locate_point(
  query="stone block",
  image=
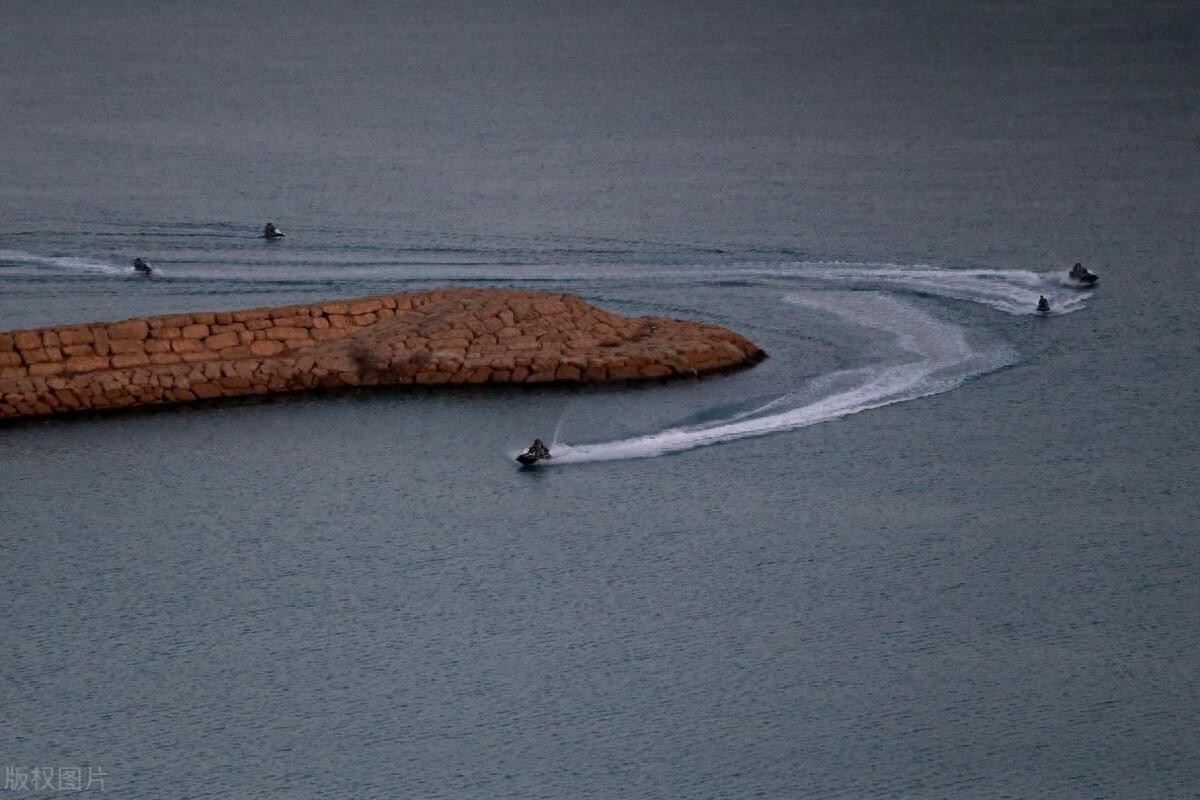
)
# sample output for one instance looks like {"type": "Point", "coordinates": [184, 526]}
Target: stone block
{"type": "Point", "coordinates": [364, 307]}
{"type": "Point", "coordinates": [222, 341]}
{"type": "Point", "coordinates": [231, 326]}
{"type": "Point", "coordinates": [35, 356]}
{"type": "Point", "coordinates": [27, 340]}
{"type": "Point", "coordinates": [266, 348]}
{"type": "Point", "coordinates": [281, 334]}
{"type": "Point", "coordinates": [568, 373]}
{"type": "Point", "coordinates": [126, 346]}
{"type": "Point", "coordinates": [85, 364]}
{"type": "Point", "coordinates": [130, 360]}
{"type": "Point", "coordinates": [196, 331]}
{"type": "Point", "coordinates": [131, 329]}
{"type": "Point", "coordinates": [48, 368]}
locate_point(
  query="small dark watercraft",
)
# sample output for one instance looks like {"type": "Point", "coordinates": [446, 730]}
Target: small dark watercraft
{"type": "Point", "coordinates": [142, 268]}
{"type": "Point", "coordinates": [536, 452]}
{"type": "Point", "coordinates": [1043, 305]}
{"type": "Point", "coordinates": [1082, 275]}
{"type": "Point", "coordinates": [271, 232]}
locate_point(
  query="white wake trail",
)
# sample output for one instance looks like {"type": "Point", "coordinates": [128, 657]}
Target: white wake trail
{"type": "Point", "coordinates": [68, 263]}
{"type": "Point", "coordinates": [928, 356]}
{"type": "Point", "coordinates": [1012, 291]}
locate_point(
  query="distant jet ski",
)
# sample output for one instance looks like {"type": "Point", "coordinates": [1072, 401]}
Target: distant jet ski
{"type": "Point", "coordinates": [1082, 274]}
{"type": "Point", "coordinates": [142, 268]}
{"type": "Point", "coordinates": [271, 232]}
{"type": "Point", "coordinates": [536, 452]}
{"type": "Point", "coordinates": [1043, 305]}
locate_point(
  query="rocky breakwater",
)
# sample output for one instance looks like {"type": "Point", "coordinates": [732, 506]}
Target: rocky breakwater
{"type": "Point", "coordinates": [446, 336]}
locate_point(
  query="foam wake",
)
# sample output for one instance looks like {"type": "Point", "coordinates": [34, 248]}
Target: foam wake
{"type": "Point", "coordinates": [919, 356]}
{"type": "Point", "coordinates": [1013, 291]}
{"type": "Point", "coordinates": [20, 258]}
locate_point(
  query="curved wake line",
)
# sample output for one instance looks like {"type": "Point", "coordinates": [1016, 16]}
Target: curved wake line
{"type": "Point", "coordinates": [1009, 290]}
{"type": "Point", "coordinates": [1013, 291]}
{"type": "Point", "coordinates": [928, 356]}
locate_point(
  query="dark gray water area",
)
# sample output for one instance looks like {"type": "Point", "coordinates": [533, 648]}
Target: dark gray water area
{"type": "Point", "coordinates": [936, 545]}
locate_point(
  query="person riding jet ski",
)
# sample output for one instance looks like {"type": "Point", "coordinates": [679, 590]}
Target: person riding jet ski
{"type": "Point", "coordinates": [1081, 273]}
{"type": "Point", "coordinates": [536, 452]}
{"type": "Point", "coordinates": [1043, 305]}
{"type": "Point", "coordinates": [140, 266]}
{"type": "Point", "coordinates": [271, 232]}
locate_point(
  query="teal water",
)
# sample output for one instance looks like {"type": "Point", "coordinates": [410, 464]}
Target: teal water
{"type": "Point", "coordinates": [935, 546]}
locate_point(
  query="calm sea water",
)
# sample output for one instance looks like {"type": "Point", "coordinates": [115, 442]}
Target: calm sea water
{"type": "Point", "coordinates": [935, 546]}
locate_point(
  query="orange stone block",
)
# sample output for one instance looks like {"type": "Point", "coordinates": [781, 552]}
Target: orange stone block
{"type": "Point", "coordinates": [125, 346]}
{"type": "Point", "coordinates": [195, 331]}
{"type": "Point", "coordinates": [266, 348]}
{"type": "Point", "coordinates": [280, 334]}
{"type": "Point", "coordinates": [568, 373]}
{"type": "Point", "coordinates": [130, 360]}
{"type": "Point", "coordinates": [50, 368]}
{"type": "Point", "coordinates": [222, 341]}
{"type": "Point", "coordinates": [132, 329]}
{"type": "Point", "coordinates": [27, 340]}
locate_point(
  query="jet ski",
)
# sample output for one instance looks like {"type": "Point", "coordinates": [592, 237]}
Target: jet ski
{"type": "Point", "coordinates": [1043, 305]}
{"type": "Point", "coordinates": [536, 452]}
{"type": "Point", "coordinates": [272, 232]}
{"type": "Point", "coordinates": [1082, 275]}
{"type": "Point", "coordinates": [142, 268]}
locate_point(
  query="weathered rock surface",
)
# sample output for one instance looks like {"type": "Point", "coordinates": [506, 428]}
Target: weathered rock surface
{"type": "Point", "coordinates": [446, 336]}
